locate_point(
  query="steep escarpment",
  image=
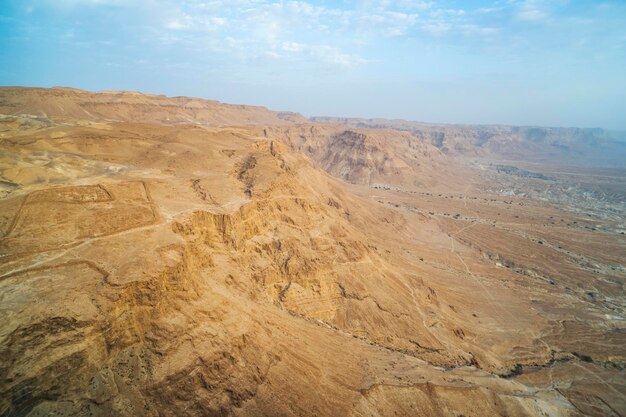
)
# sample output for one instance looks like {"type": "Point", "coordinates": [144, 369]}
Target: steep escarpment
{"type": "Point", "coordinates": [372, 157]}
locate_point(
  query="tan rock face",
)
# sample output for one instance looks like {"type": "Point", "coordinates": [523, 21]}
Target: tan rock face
{"type": "Point", "coordinates": [297, 270]}
{"type": "Point", "coordinates": [369, 156]}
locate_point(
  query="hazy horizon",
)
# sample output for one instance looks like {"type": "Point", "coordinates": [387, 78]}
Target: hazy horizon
{"type": "Point", "coordinates": [524, 63]}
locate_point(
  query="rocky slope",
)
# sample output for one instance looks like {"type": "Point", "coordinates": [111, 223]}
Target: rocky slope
{"type": "Point", "coordinates": [158, 269]}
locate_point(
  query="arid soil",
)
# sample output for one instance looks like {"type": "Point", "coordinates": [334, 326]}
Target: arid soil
{"type": "Point", "coordinates": [175, 256]}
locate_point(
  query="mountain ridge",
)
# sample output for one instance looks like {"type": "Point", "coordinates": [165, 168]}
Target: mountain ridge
{"type": "Point", "coordinates": [60, 102]}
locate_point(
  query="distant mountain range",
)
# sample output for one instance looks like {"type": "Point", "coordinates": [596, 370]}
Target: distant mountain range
{"type": "Point", "coordinates": [589, 146]}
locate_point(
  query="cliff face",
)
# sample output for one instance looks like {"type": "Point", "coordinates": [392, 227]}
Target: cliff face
{"type": "Point", "coordinates": [374, 157]}
{"type": "Point", "coordinates": [155, 269]}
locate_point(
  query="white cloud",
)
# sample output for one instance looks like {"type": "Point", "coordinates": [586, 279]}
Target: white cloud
{"type": "Point", "coordinates": [446, 12]}
{"type": "Point", "coordinates": [437, 28]}
{"type": "Point", "coordinates": [532, 10]}
{"type": "Point", "coordinates": [293, 46]}
{"type": "Point", "coordinates": [246, 30]}
{"type": "Point", "coordinates": [332, 55]}
{"type": "Point", "coordinates": [176, 24]}
{"type": "Point", "coordinates": [389, 23]}
{"type": "Point", "coordinates": [475, 30]}
{"type": "Point", "coordinates": [489, 10]}
{"type": "Point", "coordinates": [70, 4]}
{"type": "Point", "coordinates": [322, 53]}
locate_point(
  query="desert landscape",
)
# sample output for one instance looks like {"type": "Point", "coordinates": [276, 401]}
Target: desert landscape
{"type": "Point", "coordinates": [166, 256]}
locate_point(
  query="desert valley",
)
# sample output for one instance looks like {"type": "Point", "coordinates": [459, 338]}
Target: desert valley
{"type": "Point", "coordinates": [166, 256]}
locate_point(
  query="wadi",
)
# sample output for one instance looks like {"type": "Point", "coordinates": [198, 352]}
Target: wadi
{"type": "Point", "coordinates": [175, 256]}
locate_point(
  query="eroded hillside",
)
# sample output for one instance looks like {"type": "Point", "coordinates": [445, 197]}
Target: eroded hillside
{"type": "Point", "coordinates": [159, 268]}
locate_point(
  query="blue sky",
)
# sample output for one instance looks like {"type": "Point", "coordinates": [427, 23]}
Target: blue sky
{"type": "Point", "coordinates": [528, 62]}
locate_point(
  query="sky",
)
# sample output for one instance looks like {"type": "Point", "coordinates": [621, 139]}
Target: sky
{"type": "Point", "coordinates": [520, 62]}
